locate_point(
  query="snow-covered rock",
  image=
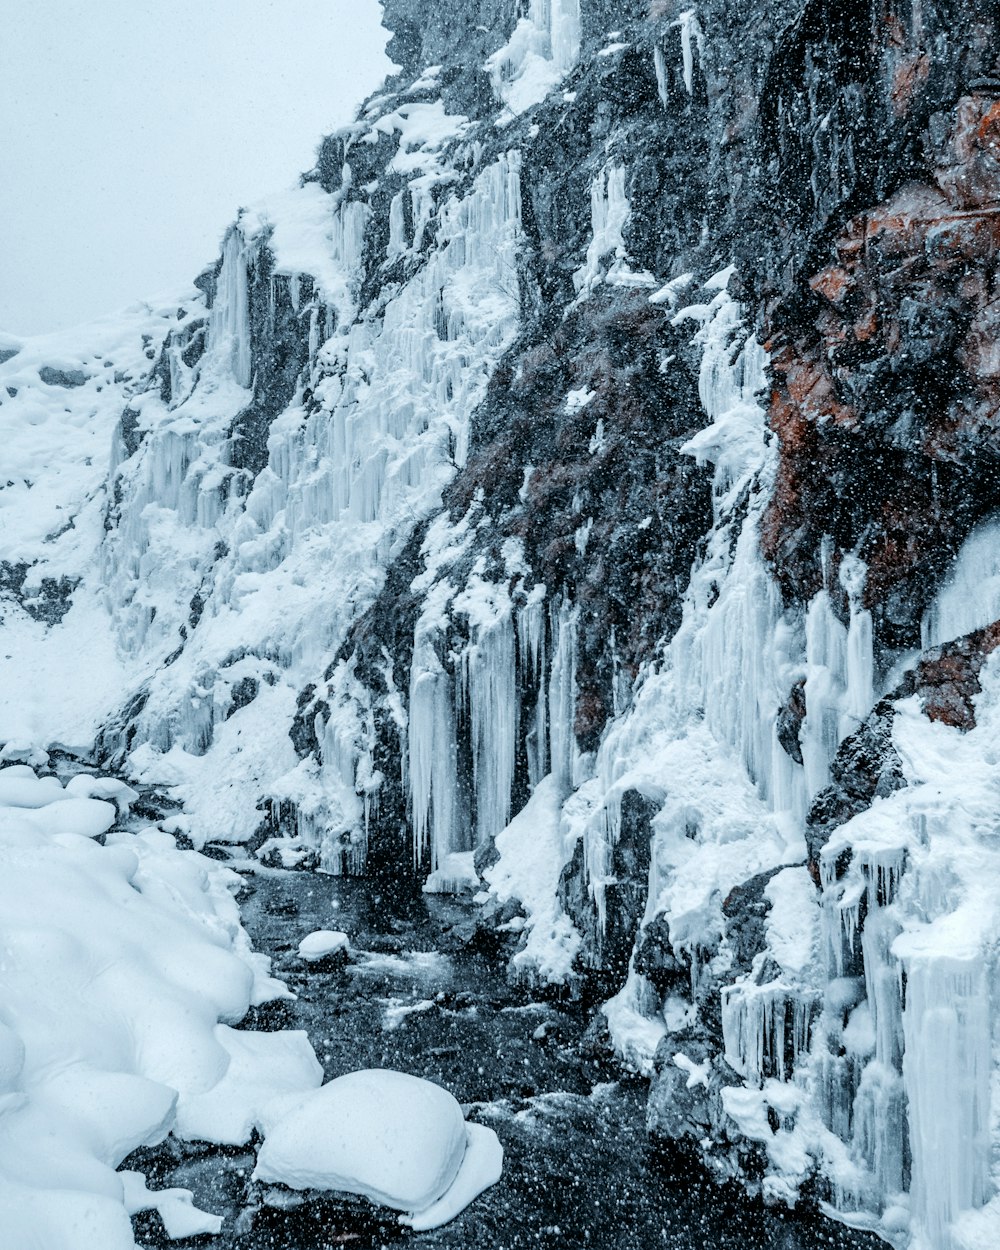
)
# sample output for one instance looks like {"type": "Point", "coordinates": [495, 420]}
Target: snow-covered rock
{"type": "Point", "coordinates": [322, 944]}
{"type": "Point", "coordinates": [398, 1140]}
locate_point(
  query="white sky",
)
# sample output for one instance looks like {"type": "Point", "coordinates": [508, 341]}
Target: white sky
{"type": "Point", "coordinates": [132, 130]}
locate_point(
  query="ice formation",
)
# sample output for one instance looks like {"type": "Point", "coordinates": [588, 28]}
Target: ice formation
{"type": "Point", "coordinates": [873, 1043]}
{"type": "Point", "coordinates": [969, 598]}
{"type": "Point", "coordinates": [217, 618]}
{"type": "Point", "coordinates": [544, 46]}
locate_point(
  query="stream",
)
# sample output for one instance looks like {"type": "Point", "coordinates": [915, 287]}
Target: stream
{"type": "Point", "coordinates": [578, 1171]}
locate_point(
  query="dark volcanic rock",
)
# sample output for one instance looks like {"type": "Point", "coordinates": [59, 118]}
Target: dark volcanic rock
{"type": "Point", "coordinates": [608, 938]}
{"type": "Point", "coordinates": [789, 723]}
{"type": "Point", "coordinates": [745, 909]}
{"type": "Point", "coordinates": [279, 336]}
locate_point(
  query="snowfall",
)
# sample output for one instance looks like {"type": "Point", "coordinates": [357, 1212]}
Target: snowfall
{"type": "Point", "coordinates": [124, 966]}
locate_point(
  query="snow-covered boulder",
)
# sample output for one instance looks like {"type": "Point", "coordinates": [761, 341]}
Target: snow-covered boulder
{"type": "Point", "coordinates": [395, 1139]}
{"type": "Point", "coordinates": [324, 944]}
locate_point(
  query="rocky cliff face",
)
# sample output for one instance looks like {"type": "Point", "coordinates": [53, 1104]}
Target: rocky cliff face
{"type": "Point", "coordinates": [581, 490]}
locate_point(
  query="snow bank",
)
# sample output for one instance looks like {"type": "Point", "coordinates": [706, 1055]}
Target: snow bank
{"type": "Point", "coordinates": [397, 1140]}
{"type": "Point", "coordinates": [121, 967]}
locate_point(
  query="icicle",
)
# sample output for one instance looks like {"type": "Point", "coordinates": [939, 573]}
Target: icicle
{"type": "Point", "coordinates": [754, 1028]}
{"type": "Point", "coordinates": [691, 34]}
{"type": "Point", "coordinates": [544, 46]}
{"type": "Point", "coordinates": [882, 987]}
{"type": "Point", "coordinates": [609, 214]}
{"type": "Point", "coordinates": [491, 680]}
{"type": "Point", "coordinates": [660, 66]}
{"type": "Point", "coordinates": [859, 659]}
{"type": "Point", "coordinates": [879, 1123]}
{"type": "Point", "coordinates": [432, 757]}
{"type": "Point", "coordinates": [531, 623]}
{"type": "Point", "coordinates": [969, 597]}
{"type": "Point", "coordinates": [564, 29]}
{"type": "Point", "coordinates": [397, 228]}
{"type": "Point", "coordinates": [826, 665]}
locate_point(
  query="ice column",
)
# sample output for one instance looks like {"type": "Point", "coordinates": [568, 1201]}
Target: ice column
{"type": "Point", "coordinates": [432, 764]}
{"type": "Point", "coordinates": [490, 679]}
{"type": "Point", "coordinates": [531, 621]}
{"type": "Point", "coordinates": [734, 654]}
{"type": "Point", "coordinates": [563, 21]}
{"type": "Point", "coordinates": [609, 213]}
{"type": "Point", "coordinates": [562, 696]}
{"type": "Point", "coordinates": [660, 66]}
{"type": "Point", "coordinates": [840, 678]}
{"type": "Point", "coordinates": [826, 665]}
{"type": "Point", "coordinates": [691, 35]}
{"type": "Point", "coordinates": [969, 598]}
{"type": "Point", "coordinates": [946, 1069]}
{"type": "Point", "coordinates": [397, 228]}
{"type": "Point", "coordinates": [543, 47]}
{"type": "Point", "coordinates": [229, 325]}
{"type": "Point", "coordinates": [754, 1028]}
{"type": "Point", "coordinates": [860, 694]}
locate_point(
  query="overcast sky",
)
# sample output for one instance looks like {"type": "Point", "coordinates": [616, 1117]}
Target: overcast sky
{"type": "Point", "coordinates": [131, 131]}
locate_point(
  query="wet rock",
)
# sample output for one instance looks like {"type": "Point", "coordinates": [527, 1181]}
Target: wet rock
{"type": "Point", "coordinates": [865, 767]}
{"type": "Point", "coordinates": [745, 910]}
{"type": "Point", "coordinates": [269, 1017]}
{"type": "Point", "coordinates": [155, 805]}
{"type": "Point", "coordinates": [947, 678]}
{"type": "Point", "coordinates": [885, 377]}
{"type": "Point", "coordinates": [656, 961]}
{"type": "Point", "coordinates": [684, 1097]}
{"type": "Point", "coordinates": [48, 601]}
{"type": "Point", "coordinates": [242, 694]}
{"type": "Point", "coordinates": [789, 722]}
{"type": "Point", "coordinates": [607, 947]}
{"type": "Point", "coordinates": [486, 855]}
{"type": "Point", "coordinates": [279, 348]}
{"type": "Point", "coordinates": [280, 905]}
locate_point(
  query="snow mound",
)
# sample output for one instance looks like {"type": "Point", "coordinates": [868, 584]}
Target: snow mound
{"type": "Point", "coordinates": [395, 1139]}
{"type": "Point", "coordinates": [119, 968]}
{"type": "Point", "coordinates": [323, 943]}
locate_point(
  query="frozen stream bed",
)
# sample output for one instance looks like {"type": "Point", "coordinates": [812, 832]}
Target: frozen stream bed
{"type": "Point", "coordinates": [578, 1171]}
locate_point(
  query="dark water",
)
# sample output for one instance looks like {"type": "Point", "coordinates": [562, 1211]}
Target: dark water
{"type": "Point", "coordinates": [578, 1171]}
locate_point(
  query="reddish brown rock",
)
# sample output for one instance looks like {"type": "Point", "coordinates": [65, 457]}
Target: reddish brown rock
{"type": "Point", "coordinates": [886, 402]}
{"type": "Point", "coordinates": [948, 678]}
